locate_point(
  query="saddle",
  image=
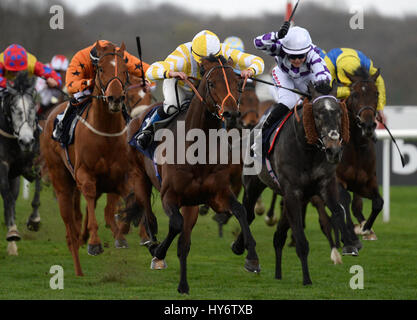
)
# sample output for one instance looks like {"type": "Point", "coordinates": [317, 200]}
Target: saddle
{"type": "Point", "coordinates": [70, 122]}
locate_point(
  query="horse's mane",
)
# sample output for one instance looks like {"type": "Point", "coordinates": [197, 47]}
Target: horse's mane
{"type": "Point", "coordinates": [362, 72]}
{"type": "Point", "coordinates": [213, 58]}
{"type": "Point", "coordinates": [22, 82]}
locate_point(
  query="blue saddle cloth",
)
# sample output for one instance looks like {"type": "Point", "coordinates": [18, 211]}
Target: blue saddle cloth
{"type": "Point", "coordinates": [150, 150]}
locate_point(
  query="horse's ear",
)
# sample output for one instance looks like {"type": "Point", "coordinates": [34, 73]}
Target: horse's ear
{"type": "Point", "coordinates": [230, 61]}
{"type": "Point", "coordinates": [10, 88]}
{"type": "Point", "coordinates": [350, 76]}
{"type": "Point", "coordinates": [333, 92]}
{"type": "Point", "coordinates": [122, 47]}
{"type": "Point", "coordinates": [376, 74]}
{"type": "Point", "coordinates": [98, 46]}
{"type": "Point", "coordinates": [312, 90]}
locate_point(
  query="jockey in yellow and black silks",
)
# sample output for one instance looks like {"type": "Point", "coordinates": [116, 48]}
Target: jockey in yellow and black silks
{"type": "Point", "coordinates": [339, 60]}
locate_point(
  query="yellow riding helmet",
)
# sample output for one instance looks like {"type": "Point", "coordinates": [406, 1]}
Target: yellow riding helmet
{"type": "Point", "coordinates": [205, 43]}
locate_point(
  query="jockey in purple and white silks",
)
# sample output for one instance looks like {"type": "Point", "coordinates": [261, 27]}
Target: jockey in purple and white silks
{"type": "Point", "coordinates": [298, 63]}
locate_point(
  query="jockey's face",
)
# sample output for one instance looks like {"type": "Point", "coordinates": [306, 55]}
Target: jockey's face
{"type": "Point", "coordinates": [297, 62]}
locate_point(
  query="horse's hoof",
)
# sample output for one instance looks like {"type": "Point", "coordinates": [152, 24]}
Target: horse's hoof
{"type": "Point", "coordinates": [94, 249]}
{"type": "Point", "coordinates": [183, 289]}
{"type": "Point", "coordinates": [307, 282]}
{"type": "Point", "coordinates": [357, 244]}
{"type": "Point", "coordinates": [144, 242]}
{"type": "Point", "coordinates": [121, 244]}
{"type": "Point", "coordinates": [335, 256]}
{"type": "Point", "coordinates": [13, 235]}
{"type": "Point", "coordinates": [237, 249]}
{"type": "Point", "coordinates": [259, 209]}
{"type": "Point", "coordinates": [203, 210]}
{"type": "Point", "coordinates": [371, 236]}
{"type": "Point", "coordinates": [12, 248]}
{"type": "Point", "coordinates": [350, 251]}
{"type": "Point", "coordinates": [33, 225]}
{"type": "Point", "coordinates": [270, 221]}
{"type": "Point", "coordinates": [157, 264]}
{"type": "Point", "coordinates": [252, 266]}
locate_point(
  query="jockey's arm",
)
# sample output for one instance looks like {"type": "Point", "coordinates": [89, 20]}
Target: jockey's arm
{"type": "Point", "coordinates": [77, 79]}
{"type": "Point", "coordinates": [318, 67]}
{"type": "Point", "coordinates": [249, 64]}
{"type": "Point", "coordinates": [52, 78]}
{"type": "Point", "coordinates": [175, 65]}
{"type": "Point", "coordinates": [343, 90]}
{"type": "Point", "coordinates": [268, 42]}
{"type": "Point", "coordinates": [2, 78]}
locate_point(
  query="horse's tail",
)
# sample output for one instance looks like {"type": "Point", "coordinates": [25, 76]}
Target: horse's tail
{"type": "Point", "coordinates": [133, 211]}
{"type": "Point", "coordinates": [137, 111]}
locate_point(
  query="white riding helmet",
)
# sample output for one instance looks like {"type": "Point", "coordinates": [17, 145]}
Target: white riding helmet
{"type": "Point", "coordinates": [297, 41]}
{"type": "Point", "coordinates": [205, 43]}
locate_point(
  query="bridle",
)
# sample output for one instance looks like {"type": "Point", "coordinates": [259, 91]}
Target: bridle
{"type": "Point", "coordinates": [357, 115]}
{"type": "Point", "coordinates": [103, 88]}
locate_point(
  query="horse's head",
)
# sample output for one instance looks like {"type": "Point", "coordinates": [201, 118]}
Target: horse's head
{"type": "Point", "coordinates": [220, 88]}
{"type": "Point", "coordinates": [363, 100]}
{"type": "Point", "coordinates": [330, 120]}
{"type": "Point", "coordinates": [111, 74]}
{"type": "Point", "coordinates": [249, 107]}
{"type": "Point", "coordinates": [21, 110]}
{"type": "Point", "coordinates": [136, 95]}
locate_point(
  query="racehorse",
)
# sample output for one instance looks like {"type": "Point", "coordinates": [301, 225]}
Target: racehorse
{"type": "Point", "coordinates": [304, 163]}
{"type": "Point", "coordinates": [96, 161]}
{"type": "Point", "coordinates": [137, 97]}
{"type": "Point", "coordinates": [188, 185]}
{"type": "Point", "coordinates": [18, 138]}
{"type": "Point", "coordinates": [357, 170]}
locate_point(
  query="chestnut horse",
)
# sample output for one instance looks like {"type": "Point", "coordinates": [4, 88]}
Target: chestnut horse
{"type": "Point", "coordinates": [188, 185]}
{"type": "Point", "coordinates": [96, 164]}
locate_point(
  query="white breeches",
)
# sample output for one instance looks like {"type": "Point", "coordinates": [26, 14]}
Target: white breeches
{"type": "Point", "coordinates": [284, 96]}
{"type": "Point", "coordinates": [170, 98]}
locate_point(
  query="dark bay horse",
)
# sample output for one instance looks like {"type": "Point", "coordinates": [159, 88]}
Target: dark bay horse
{"type": "Point", "coordinates": [97, 157]}
{"type": "Point", "coordinates": [186, 185]}
{"type": "Point", "coordinates": [356, 172]}
{"type": "Point", "coordinates": [304, 161]}
{"type": "Point", "coordinates": [18, 139]}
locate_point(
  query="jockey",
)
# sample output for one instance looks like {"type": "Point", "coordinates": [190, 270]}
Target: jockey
{"type": "Point", "coordinates": [339, 60]}
{"type": "Point", "coordinates": [185, 61]}
{"type": "Point", "coordinates": [298, 63]}
{"type": "Point", "coordinates": [80, 78]}
{"type": "Point", "coordinates": [15, 58]}
{"type": "Point", "coordinates": [49, 96]}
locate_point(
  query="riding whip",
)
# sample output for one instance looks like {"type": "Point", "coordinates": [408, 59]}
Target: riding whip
{"type": "Point", "coordinates": [140, 58]}
{"type": "Point", "coordinates": [395, 142]}
{"type": "Point", "coordinates": [278, 86]}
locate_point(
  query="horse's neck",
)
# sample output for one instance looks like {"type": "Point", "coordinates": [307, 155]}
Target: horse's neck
{"type": "Point", "coordinates": [102, 120]}
{"type": "Point", "coordinates": [198, 118]}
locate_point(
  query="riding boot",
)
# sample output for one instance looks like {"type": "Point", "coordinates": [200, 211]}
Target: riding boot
{"type": "Point", "coordinates": [59, 128]}
{"type": "Point", "coordinates": [278, 111]}
{"type": "Point", "coordinates": [145, 137]}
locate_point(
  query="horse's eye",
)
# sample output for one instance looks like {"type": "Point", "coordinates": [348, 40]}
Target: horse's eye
{"type": "Point", "coordinates": [100, 69]}
{"type": "Point", "coordinates": [210, 84]}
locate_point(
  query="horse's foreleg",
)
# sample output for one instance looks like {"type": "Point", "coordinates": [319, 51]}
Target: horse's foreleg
{"type": "Point", "coordinates": [87, 185]}
{"type": "Point", "coordinates": [9, 190]}
{"type": "Point", "coordinates": [293, 210]}
{"type": "Point", "coordinates": [377, 206]}
{"type": "Point", "coordinates": [326, 228]}
{"type": "Point", "coordinates": [176, 222]}
{"type": "Point", "coordinates": [190, 215]}
{"type": "Point", "coordinates": [34, 220]}
{"type": "Point", "coordinates": [357, 207]}
{"type": "Point", "coordinates": [109, 217]}
{"type": "Point", "coordinates": [280, 236]}
{"type": "Point", "coordinates": [244, 218]}
{"type": "Point", "coordinates": [331, 198]}
{"type": "Point", "coordinates": [270, 218]}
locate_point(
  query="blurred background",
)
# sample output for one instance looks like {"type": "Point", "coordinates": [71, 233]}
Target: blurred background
{"type": "Point", "coordinates": [389, 35]}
